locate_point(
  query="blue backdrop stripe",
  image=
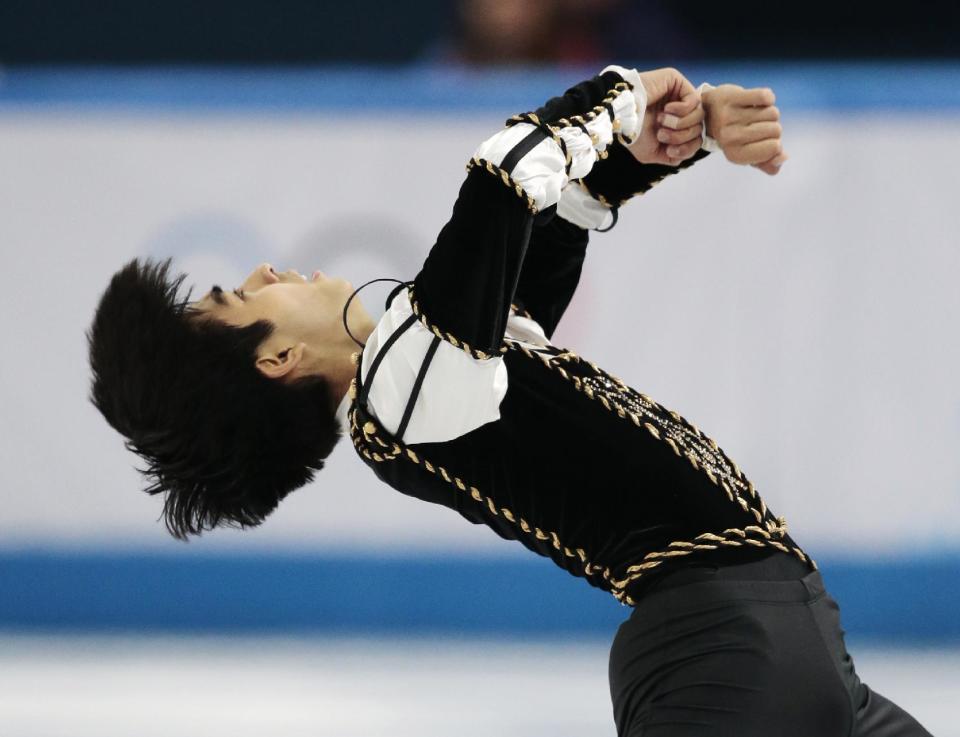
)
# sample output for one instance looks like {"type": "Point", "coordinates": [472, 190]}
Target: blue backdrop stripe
{"type": "Point", "coordinates": [915, 600]}
{"type": "Point", "coordinates": [839, 87]}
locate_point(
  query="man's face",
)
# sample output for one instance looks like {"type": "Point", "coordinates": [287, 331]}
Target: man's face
{"type": "Point", "coordinates": [302, 310]}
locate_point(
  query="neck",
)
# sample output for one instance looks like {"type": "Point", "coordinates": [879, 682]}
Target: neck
{"type": "Point", "coordinates": [345, 369]}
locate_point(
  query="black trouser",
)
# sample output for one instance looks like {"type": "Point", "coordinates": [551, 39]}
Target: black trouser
{"type": "Point", "coordinates": [743, 658]}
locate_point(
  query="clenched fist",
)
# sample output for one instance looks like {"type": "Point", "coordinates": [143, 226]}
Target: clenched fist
{"type": "Point", "coordinates": [668, 92]}
{"type": "Point", "coordinates": [746, 124]}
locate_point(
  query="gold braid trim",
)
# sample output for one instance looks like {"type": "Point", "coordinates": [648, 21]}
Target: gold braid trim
{"type": "Point", "coordinates": [733, 537]}
{"type": "Point", "coordinates": [760, 515]}
{"type": "Point", "coordinates": [504, 177]}
{"type": "Point", "coordinates": [580, 121]}
{"type": "Point", "coordinates": [609, 96]}
{"type": "Point", "coordinates": [449, 337]}
{"type": "Point", "coordinates": [604, 201]}
{"type": "Point", "coordinates": [368, 435]}
{"type": "Point", "coordinates": [612, 94]}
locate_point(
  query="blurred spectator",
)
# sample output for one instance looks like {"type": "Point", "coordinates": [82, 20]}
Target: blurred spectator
{"type": "Point", "coordinates": [582, 32]}
{"type": "Point", "coordinates": [576, 32]}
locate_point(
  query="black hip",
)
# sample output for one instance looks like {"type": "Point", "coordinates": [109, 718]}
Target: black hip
{"type": "Point", "coordinates": [728, 654]}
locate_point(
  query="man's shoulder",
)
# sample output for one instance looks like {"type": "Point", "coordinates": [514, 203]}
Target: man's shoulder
{"type": "Point", "coordinates": [455, 392]}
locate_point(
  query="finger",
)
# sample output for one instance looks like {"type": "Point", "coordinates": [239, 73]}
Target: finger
{"type": "Point", "coordinates": [778, 161]}
{"type": "Point", "coordinates": [665, 135]}
{"type": "Point", "coordinates": [758, 96]}
{"type": "Point", "coordinates": [673, 121]}
{"type": "Point", "coordinates": [767, 169]}
{"type": "Point", "coordinates": [683, 151]}
{"type": "Point", "coordinates": [758, 152]}
{"type": "Point", "coordinates": [748, 115]}
{"type": "Point", "coordinates": [772, 167]}
{"type": "Point", "coordinates": [685, 105]}
{"type": "Point", "coordinates": [770, 113]}
{"type": "Point", "coordinates": [743, 115]}
{"type": "Point", "coordinates": [756, 132]}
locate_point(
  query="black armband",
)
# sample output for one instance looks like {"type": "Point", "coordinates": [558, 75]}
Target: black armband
{"type": "Point", "coordinates": [620, 176]}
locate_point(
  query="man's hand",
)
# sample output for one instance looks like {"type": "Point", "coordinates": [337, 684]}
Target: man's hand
{"type": "Point", "coordinates": [746, 124]}
{"type": "Point", "coordinates": [676, 137]}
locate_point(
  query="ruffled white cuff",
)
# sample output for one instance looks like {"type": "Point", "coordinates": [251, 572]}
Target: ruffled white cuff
{"type": "Point", "coordinates": [707, 143]}
{"type": "Point", "coordinates": [580, 150]}
{"type": "Point", "coordinates": [631, 117]}
{"type": "Point", "coordinates": [543, 172]}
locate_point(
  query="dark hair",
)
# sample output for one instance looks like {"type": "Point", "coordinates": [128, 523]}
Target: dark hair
{"type": "Point", "coordinates": [222, 441]}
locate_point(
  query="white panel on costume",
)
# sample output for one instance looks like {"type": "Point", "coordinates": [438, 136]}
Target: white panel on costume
{"type": "Point", "coordinates": [578, 206]}
{"type": "Point", "coordinates": [459, 393]}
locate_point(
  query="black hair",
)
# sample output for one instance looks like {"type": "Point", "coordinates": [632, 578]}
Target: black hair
{"type": "Point", "coordinates": [223, 442]}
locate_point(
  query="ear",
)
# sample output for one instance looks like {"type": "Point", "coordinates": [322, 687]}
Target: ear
{"type": "Point", "coordinates": [277, 364]}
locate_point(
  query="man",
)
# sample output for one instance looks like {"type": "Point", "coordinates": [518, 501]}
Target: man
{"type": "Point", "coordinates": [458, 397]}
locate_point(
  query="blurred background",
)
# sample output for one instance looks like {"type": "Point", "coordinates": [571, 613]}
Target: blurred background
{"type": "Point", "coordinates": [808, 322]}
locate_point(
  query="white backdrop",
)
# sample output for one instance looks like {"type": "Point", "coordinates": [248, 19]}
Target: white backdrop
{"type": "Point", "coordinates": [808, 322]}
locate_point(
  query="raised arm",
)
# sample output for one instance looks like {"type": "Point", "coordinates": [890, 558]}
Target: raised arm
{"type": "Point", "coordinates": [551, 271]}
{"type": "Point", "coordinates": [502, 242]}
{"type": "Point", "coordinates": [554, 259]}
{"type": "Point", "coordinates": [742, 123]}
{"type": "Point", "coordinates": [470, 277]}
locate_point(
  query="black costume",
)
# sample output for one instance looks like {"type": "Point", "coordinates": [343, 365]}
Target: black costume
{"type": "Point", "coordinates": [579, 467]}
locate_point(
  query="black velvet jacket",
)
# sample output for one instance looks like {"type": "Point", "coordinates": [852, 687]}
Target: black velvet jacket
{"type": "Point", "coordinates": [581, 468]}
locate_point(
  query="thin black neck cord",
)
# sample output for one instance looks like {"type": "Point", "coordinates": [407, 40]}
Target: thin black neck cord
{"type": "Point", "coordinates": [350, 299]}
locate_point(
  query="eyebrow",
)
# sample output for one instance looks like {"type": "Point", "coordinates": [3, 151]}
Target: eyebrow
{"type": "Point", "coordinates": [216, 293]}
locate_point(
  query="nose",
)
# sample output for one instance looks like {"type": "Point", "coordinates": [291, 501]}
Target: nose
{"type": "Point", "coordinates": [261, 276]}
{"type": "Point", "coordinates": [266, 272]}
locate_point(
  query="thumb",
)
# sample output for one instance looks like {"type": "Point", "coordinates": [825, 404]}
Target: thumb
{"type": "Point", "coordinates": [664, 85]}
{"type": "Point", "coordinates": [687, 103]}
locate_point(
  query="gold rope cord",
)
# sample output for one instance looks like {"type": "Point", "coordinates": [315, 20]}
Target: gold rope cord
{"type": "Point", "coordinates": [609, 97]}
{"type": "Point", "coordinates": [367, 436]}
{"type": "Point", "coordinates": [751, 535]}
{"type": "Point", "coordinates": [606, 203]}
